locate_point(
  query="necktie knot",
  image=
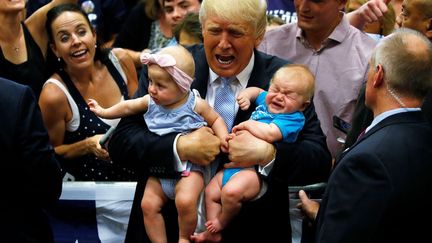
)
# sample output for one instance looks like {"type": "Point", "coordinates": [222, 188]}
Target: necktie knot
{"type": "Point", "coordinates": [226, 81]}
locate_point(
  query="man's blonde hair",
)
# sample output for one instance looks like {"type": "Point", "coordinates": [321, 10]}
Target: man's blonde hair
{"type": "Point", "coordinates": [248, 11]}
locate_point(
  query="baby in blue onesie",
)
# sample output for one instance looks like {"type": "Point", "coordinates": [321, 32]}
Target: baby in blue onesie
{"type": "Point", "coordinates": [278, 117]}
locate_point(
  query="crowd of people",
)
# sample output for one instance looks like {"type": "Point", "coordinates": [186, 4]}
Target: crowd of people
{"type": "Point", "coordinates": [216, 114]}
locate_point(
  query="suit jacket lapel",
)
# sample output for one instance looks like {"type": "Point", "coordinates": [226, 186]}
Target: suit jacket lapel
{"type": "Point", "coordinates": [201, 69]}
{"type": "Point", "coordinates": [257, 79]}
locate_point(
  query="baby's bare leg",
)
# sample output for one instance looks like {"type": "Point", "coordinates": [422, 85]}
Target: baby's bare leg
{"type": "Point", "coordinates": [243, 186]}
{"type": "Point", "coordinates": [151, 205]}
{"type": "Point", "coordinates": [213, 194]}
{"type": "Point", "coordinates": [188, 190]}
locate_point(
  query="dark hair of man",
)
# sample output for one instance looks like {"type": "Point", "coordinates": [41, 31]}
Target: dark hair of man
{"type": "Point", "coordinates": [191, 25]}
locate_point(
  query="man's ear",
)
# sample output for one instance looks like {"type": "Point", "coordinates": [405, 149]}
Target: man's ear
{"type": "Point", "coordinates": [259, 39]}
{"type": "Point", "coordinates": [378, 78]}
{"type": "Point", "coordinates": [342, 5]}
{"type": "Point", "coordinates": [428, 33]}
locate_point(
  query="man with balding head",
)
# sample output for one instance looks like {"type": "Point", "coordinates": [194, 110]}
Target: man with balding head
{"type": "Point", "coordinates": [376, 183]}
{"type": "Point", "coordinates": [416, 15]}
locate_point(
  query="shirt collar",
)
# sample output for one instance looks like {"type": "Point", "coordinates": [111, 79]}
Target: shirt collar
{"type": "Point", "coordinates": [338, 34]}
{"type": "Point", "coordinates": [341, 31]}
{"type": "Point", "coordinates": [242, 77]}
{"type": "Point", "coordinates": [386, 114]}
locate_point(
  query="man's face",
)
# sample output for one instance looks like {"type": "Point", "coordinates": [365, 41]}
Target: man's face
{"type": "Point", "coordinates": [228, 45]}
{"type": "Point", "coordinates": [318, 16]}
{"type": "Point", "coordinates": [412, 17]}
{"type": "Point", "coordinates": [176, 10]}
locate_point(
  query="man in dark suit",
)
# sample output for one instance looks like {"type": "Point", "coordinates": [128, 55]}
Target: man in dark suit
{"type": "Point", "coordinates": [417, 15]}
{"type": "Point", "coordinates": [30, 175]}
{"type": "Point", "coordinates": [379, 188]}
{"type": "Point", "coordinates": [228, 51]}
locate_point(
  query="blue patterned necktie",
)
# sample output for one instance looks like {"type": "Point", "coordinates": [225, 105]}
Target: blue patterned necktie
{"type": "Point", "coordinates": [225, 101]}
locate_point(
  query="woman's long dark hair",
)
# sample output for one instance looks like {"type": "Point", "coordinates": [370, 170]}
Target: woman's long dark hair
{"type": "Point", "coordinates": [53, 65]}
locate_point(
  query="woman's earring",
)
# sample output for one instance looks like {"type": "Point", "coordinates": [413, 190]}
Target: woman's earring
{"type": "Point", "coordinates": [58, 59]}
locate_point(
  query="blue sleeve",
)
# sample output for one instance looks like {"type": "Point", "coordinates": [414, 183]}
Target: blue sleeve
{"type": "Point", "coordinates": [261, 98]}
{"type": "Point", "coordinates": [290, 125]}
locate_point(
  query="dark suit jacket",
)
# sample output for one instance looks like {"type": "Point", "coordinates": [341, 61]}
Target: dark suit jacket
{"type": "Point", "coordinates": [30, 178]}
{"type": "Point", "coordinates": [363, 116]}
{"type": "Point", "coordinates": [306, 161]}
{"type": "Point", "coordinates": [427, 107]}
{"type": "Point", "coordinates": [136, 30]}
{"type": "Point", "coordinates": [379, 190]}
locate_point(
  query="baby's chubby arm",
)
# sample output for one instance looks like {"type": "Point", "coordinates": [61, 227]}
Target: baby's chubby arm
{"type": "Point", "coordinates": [214, 120]}
{"type": "Point", "coordinates": [121, 109]}
{"type": "Point", "coordinates": [267, 132]}
{"type": "Point", "coordinates": [248, 95]}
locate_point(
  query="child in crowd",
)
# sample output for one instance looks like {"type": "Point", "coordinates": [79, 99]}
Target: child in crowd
{"type": "Point", "coordinates": [188, 31]}
{"type": "Point", "coordinates": [170, 106]}
{"type": "Point", "coordinates": [277, 117]}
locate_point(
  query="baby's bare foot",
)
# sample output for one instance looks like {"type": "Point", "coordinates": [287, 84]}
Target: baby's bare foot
{"type": "Point", "coordinates": [213, 225]}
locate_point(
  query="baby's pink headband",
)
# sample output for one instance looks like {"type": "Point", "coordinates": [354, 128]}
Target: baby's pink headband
{"type": "Point", "coordinates": [168, 62]}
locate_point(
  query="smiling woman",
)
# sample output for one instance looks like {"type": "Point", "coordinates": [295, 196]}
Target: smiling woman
{"type": "Point", "coordinates": [83, 71]}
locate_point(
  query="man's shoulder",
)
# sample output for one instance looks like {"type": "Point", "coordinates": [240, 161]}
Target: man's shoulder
{"type": "Point", "coordinates": [9, 88]}
{"type": "Point", "coordinates": [362, 39]}
{"type": "Point", "coordinates": [264, 60]}
{"type": "Point", "coordinates": [357, 43]}
{"type": "Point", "coordinates": [283, 31]}
{"type": "Point", "coordinates": [395, 128]}
{"type": "Point", "coordinates": [196, 50]}
{"type": "Point", "coordinates": [280, 40]}
{"type": "Point", "coordinates": [386, 142]}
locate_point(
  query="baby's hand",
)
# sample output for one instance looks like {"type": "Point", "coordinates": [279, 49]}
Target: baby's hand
{"type": "Point", "coordinates": [229, 137]}
{"type": "Point", "coordinates": [224, 145]}
{"type": "Point", "coordinates": [95, 107]}
{"type": "Point", "coordinates": [243, 102]}
{"type": "Point", "coordinates": [242, 126]}
{"type": "Point", "coordinates": [225, 142]}
{"type": "Point", "coordinates": [237, 128]}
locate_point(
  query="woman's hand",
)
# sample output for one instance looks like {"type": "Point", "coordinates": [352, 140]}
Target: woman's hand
{"type": "Point", "coordinates": [95, 148]}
